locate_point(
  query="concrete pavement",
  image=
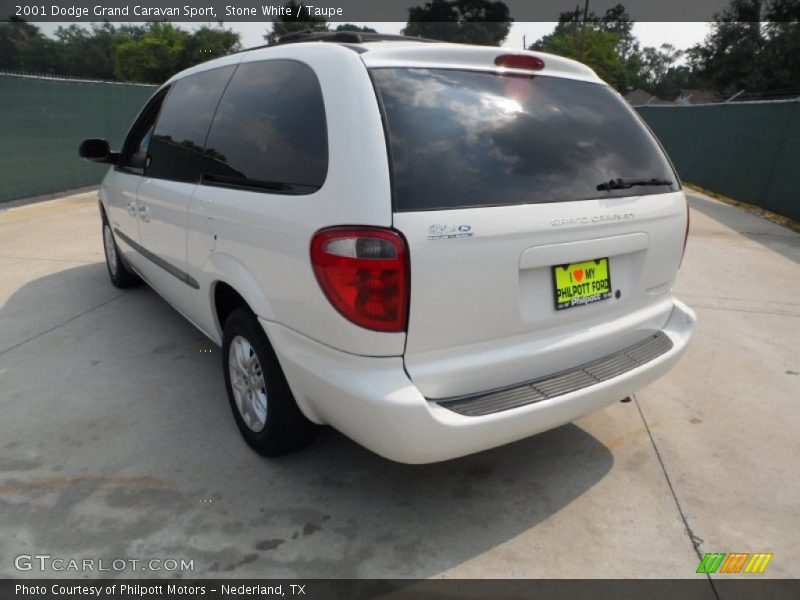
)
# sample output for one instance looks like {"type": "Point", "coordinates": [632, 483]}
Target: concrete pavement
{"type": "Point", "coordinates": [116, 439]}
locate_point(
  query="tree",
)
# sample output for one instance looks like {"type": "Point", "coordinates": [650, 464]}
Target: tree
{"type": "Point", "coordinates": [656, 63]}
{"type": "Point", "coordinates": [781, 46]}
{"type": "Point", "coordinates": [605, 43]}
{"type": "Point", "coordinates": [147, 53]}
{"type": "Point", "coordinates": [42, 55]}
{"type": "Point", "coordinates": [596, 46]}
{"type": "Point", "coordinates": [291, 24]}
{"type": "Point", "coordinates": [752, 46]}
{"type": "Point", "coordinates": [88, 52]}
{"type": "Point", "coordinates": [675, 79]}
{"type": "Point", "coordinates": [483, 22]}
{"type": "Point", "coordinates": [211, 42]}
{"type": "Point", "coordinates": [354, 28]}
{"type": "Point", "coordinates": [159, 50]}
{"type": "Point", "coordinates": [154, 57]}
{"type": "Point", "coordinates": [728, 58]}
{"type": "Point", "coordinates": [24, 48]}
{"type": "Point", "coordinates": [14, 35]}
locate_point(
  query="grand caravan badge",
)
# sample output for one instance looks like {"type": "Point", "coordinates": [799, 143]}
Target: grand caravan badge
{"type": "Point", "coordinates": [449, 232]}
{"type": "Point", "coordinates": [594, 219]}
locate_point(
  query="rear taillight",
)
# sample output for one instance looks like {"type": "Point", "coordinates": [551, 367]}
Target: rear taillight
{"type": "Point", "coordinates": [685, 235]}
{"type": "Point", "coordinates": [363, 272]}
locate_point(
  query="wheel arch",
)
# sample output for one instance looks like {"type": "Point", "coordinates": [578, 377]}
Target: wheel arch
{"type": "Point", "coordinates": [226, 299]}
{"type": "Point", "coordinates": [231, 281]}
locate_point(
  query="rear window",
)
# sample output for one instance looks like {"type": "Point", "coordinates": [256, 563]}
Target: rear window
{"type": "Point", "coordinates": [461, 139]}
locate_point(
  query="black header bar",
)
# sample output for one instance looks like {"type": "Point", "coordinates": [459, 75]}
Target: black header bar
{"type": "Point", "coordinates": [203, 11]}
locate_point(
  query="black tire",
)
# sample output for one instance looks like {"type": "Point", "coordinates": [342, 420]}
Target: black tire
{"type": "Point", "coordinates": [119, 273]}
{"type": "Point", "coordinates": [286, 429]}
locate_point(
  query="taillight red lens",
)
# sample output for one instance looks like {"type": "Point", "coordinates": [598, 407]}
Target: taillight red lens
{"type": "Point", "coordinates": [363, 272]}
{"type": "Point", "coordinates": [520, 61]}
{"type": "Point", "coordinates": [685, 235]}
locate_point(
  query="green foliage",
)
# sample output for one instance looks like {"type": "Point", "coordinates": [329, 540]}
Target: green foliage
{"type": "Point", "coordinates": [355, 28]}
{"type": "Point", "coordinates": [211, 42]}
{"type": "Point", "coordinates": [164, 49]}
{"type": "Point", "coordinates": [662, 75]}
{"type": "Point", "coordinates": [154, 57]}
{"type": "Point", "coordinates": [780, 53]}
{"type": "Point", "coordinates": [148, 53]}
{"type": "Point", "coordinates": [728, 58]}
{"type": "Point", "coordinates": [593, 46]}
{"type": "Point", "coordinates": [605, 43]}
{"type": "Point", "coordinates": [753, 45]}
{"type": "Point", "coordinates": [24, 48]}
{"type": "Point", "coordinates": [40, 55]}
{"type": "Point", "coordinates": [89, 52]}
{"type": "Point", "coordinates": [483, 22]}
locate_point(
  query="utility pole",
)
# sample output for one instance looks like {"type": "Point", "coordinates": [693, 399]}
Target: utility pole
{"type": "Point", "coordinates": [582, 41]}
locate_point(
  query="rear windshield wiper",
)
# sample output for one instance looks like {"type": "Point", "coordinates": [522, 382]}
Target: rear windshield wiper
{"type": "Point", "coordinates": [624, 184]}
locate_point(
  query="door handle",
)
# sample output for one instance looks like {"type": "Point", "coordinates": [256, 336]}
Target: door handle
{"type": "Point", "coordinates": [144, 213]}
{"type": "Point", "coordinates": [131, 207]}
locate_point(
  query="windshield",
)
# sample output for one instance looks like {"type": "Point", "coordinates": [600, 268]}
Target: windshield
{"type": "Point", "coordinates": [462, 139]}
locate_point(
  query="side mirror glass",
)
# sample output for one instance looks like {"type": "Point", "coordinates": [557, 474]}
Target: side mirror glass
{"type": "Point", "coordinates": [96, 150]}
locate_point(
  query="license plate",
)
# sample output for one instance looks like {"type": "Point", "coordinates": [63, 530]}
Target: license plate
{"type": "Point", "coordinates": [579, 284]}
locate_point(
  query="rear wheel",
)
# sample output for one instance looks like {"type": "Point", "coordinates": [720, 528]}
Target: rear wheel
{"type": "Point", "coordinates": [262, 403]}
{"type": "Point", "coordinates": [118, 271]}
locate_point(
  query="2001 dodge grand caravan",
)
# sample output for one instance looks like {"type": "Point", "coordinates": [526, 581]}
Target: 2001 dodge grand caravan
{"type": "Point", "coordinates": [434, 248]}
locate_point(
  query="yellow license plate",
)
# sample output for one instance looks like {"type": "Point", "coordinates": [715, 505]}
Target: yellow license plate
{"type": "Point", "coordinates": [579, 284]}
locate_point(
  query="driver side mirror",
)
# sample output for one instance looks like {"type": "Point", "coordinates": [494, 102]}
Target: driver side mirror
{"type": "Point", "coordinates": [97, 150]}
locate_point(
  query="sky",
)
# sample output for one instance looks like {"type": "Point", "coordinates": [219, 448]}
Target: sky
{"type": "Point", "coordinates": [680, 35]}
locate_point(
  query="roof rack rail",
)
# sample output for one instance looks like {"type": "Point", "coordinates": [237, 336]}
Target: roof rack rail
{"type": "Point", "coordinates": [345, 37]}
{"type": "Point", "coordinates": [342, 37]}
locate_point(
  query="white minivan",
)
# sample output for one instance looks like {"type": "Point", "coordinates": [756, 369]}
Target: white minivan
{"type": "Point", "coordinates": [435, 248]}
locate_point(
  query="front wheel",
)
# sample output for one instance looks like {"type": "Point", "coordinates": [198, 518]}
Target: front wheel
{"type": "Point", "coordinates": [118, 271]}
{"type": "Point", "coordinates": [262, 403]}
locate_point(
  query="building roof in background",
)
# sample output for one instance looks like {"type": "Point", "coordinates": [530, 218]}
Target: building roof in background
{"type": "Point", "coordinates": [639, 97]}
{"type": "Point", "coordinates": [689, 96]}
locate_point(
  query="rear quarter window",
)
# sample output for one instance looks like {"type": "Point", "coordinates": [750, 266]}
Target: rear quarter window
{"type": "Point", "coordinates": [270, 131]}
{"type": "Point", "coordinates": [462, 139]}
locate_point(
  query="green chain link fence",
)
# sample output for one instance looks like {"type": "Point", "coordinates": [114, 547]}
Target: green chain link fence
{"type": "Point", "coordinates": [748, 151]}
{"type": "Point", "coordinates": [42, 122]}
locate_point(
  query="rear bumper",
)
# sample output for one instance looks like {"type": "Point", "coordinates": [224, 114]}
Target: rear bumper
{"type": "Point", "coordinates": [372, 400]}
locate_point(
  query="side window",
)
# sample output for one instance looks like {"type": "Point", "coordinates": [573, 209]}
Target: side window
{"type": "Point", "coordinates": [269, 132]}
{"type": "Point", "coordinates": [176, 147]}
{"type": "Point", "coordinates": [137, 143]}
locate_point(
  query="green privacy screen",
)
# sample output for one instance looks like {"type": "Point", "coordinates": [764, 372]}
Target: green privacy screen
{"type": "Point", "coordinates": [749, 151]}
{"type": "Point", "coordinates": [44, 120]}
